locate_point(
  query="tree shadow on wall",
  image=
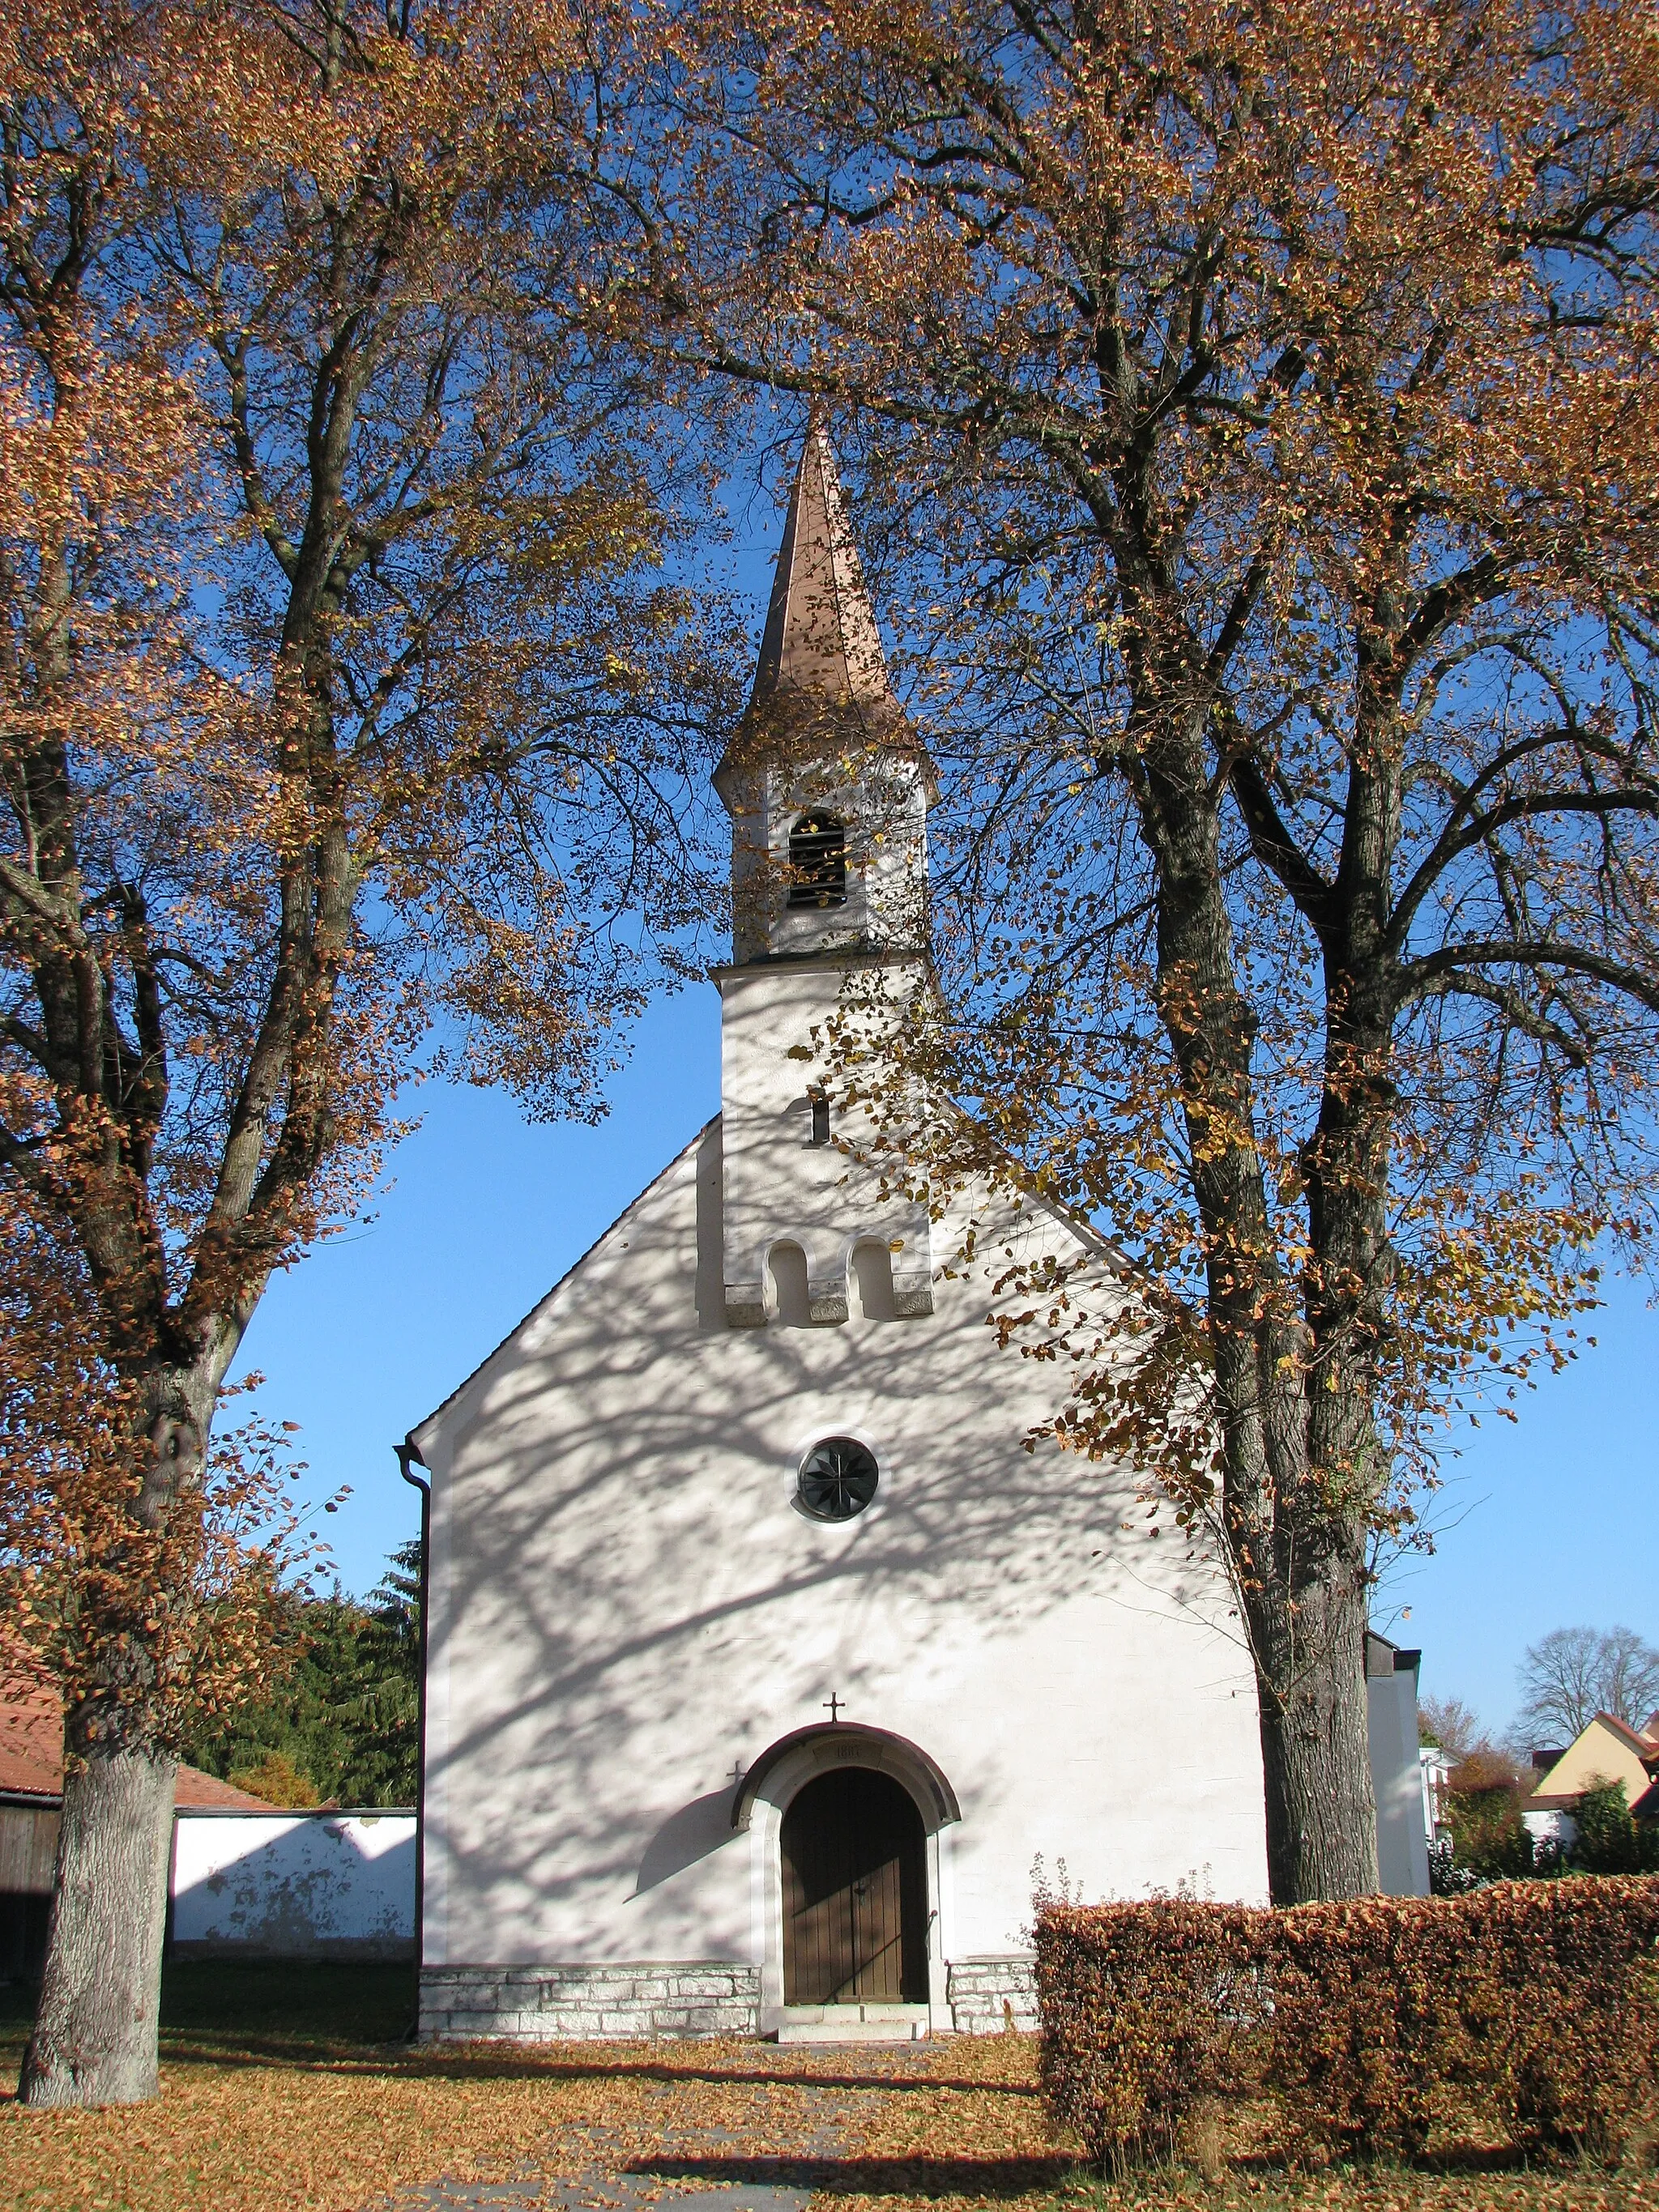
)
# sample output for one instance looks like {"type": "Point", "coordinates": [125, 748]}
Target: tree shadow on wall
{"type": "Point", "coordinates": [627, 1567]}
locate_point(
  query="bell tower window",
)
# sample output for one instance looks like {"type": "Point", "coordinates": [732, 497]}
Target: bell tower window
{"type": "Point", "coordinates": [817, 861]}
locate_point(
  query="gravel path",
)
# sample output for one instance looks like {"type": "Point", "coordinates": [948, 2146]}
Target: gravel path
{"type": "Point", "coordinates": [770, 2167]}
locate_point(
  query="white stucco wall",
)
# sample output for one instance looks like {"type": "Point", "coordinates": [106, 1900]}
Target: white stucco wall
{"type": "Point", "coordinates": [627, 1608]}
{"type": "Point", "coordinates": [1402, 1842]}
{"type": "Point", "coordinates": [775, 1185]}
{"type": "Point", "coordinates": [295, 1885]}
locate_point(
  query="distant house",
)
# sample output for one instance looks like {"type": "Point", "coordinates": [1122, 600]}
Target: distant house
{"type": "Point", "coordinates": [31, 1802]}
{"type": "Point", "coordinates": [1607, 1749]}
{"type": "Point", "coordinates": [1435, 1767]}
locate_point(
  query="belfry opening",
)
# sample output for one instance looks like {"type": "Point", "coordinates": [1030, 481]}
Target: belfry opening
{"type": "Point", "coordinates": [817, 861]}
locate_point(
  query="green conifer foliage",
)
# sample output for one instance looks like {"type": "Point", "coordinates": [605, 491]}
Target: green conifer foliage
{"type": "Point", "coordinates": [1607, 1840]}
{"type": "Point", "coordinates": [343, 1713]}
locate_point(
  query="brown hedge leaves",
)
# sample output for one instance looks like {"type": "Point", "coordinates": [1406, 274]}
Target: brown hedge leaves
{"type": "Point", "coordinates": [1530, 2010]}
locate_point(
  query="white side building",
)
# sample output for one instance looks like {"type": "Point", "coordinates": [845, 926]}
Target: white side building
{"type": "Point", "coordinates": [276, 1884]}
{"type": "Point", "coordinates": [764, 1660]}
{"type": "Point", "coordinates": [1405, 1815]}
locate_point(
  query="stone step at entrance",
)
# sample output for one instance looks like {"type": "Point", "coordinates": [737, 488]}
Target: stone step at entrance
{"type": "Point", "coordinates": [869, 2020]}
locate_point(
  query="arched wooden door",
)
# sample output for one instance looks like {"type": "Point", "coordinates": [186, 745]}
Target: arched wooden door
{"type": "Point", "coordinates": [854, 1890]}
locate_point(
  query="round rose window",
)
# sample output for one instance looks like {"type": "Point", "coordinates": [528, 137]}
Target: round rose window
{"type": "Point", "coordinates": [838, 1479]}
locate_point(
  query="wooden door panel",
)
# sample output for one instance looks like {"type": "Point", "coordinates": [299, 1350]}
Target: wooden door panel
{"type": "Point", "coordinates": [854, 1890]}
{"type": "Point", "coordinates": [879, 1926]}
{"type": "Point", "coordinates": [820, 1961]}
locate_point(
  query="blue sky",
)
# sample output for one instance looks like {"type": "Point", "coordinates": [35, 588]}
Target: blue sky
{"type": "Point", "coordinates": [1545, 1521]}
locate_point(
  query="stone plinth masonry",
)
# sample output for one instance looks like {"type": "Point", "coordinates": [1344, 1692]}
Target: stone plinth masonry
{"type": "Point", "coordinates": [988, 1995]}
{"type": "Point", "coordinates": [543, 2004]}
{"type": "Point", "coordinates": [688, 1997]}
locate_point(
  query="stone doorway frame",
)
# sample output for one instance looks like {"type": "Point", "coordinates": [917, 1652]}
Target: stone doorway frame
{"type": "Point", "coordinates": [764, 1795]}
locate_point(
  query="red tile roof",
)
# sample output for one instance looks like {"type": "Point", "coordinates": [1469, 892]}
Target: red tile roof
{"type": "Point", "coordinates": [31, 1734]}
{"type": "Point", "coordinates": [32, 1749]}
{"type": "Point", "coordinates": [206, 1792]}
{"type": "Point", "coordinates": [1642, 1746]}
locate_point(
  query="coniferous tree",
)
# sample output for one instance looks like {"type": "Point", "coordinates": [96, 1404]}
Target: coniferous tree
{"type": "Point", "coordinates": [342, 1725]}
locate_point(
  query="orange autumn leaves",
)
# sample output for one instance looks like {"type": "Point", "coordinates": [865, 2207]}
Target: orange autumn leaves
{"type": "Point", "coordinates": [345, 702]}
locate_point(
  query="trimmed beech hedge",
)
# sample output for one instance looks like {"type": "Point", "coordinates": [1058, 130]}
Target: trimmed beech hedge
{"type": "Point", "coordinates": [1532, 2006]}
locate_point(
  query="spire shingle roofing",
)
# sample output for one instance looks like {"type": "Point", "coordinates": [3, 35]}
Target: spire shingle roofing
{"type": "Point", "coordinates": [821, 639]}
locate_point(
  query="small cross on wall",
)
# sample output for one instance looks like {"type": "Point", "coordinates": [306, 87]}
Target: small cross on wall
{"type": "Point", "coordinates": [832, 1705]}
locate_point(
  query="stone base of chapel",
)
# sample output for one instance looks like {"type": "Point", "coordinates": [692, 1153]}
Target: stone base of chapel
{"type": "Point", "coordinates": [675, 1999]}
{"type": "Point", "coordinates": [548, 2004]}
{"type": "Point", "coordinates": [989, 1995]}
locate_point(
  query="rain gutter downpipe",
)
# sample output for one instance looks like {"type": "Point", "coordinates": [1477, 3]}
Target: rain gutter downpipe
{"type": "Point", "coordinates": [409, 1457]}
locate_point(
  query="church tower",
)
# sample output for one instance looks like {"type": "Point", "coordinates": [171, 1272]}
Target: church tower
{"type": "Point", "coordinates": [828, 792]}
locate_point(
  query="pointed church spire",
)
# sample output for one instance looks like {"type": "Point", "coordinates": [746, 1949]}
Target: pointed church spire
{"type": "Point", "coordinates": [825, 783]}
{"type": "Point", "coordinates": [821, 642]}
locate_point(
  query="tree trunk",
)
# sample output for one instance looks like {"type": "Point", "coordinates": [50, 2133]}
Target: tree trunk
{"type": "Point", "coordinates": [94, 2039]}
{"type": "Point", "coordinates": [1310, 1636]}
{"type": "Point", "coordinates": [96, 2025]}
{"type": "Point", "coordinates": [1296, 1552]}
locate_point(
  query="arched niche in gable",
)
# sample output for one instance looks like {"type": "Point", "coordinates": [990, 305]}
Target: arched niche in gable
{"type": "Point", "coordinates": [788, 1299]}
{"type": "Point", "coordinates": [805, 1286]}
{"type": "Point", "coordinates": [873, 1278]}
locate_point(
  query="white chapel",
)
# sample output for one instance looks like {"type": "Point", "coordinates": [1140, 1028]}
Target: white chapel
{"type": "Point", "coordinates": [763, 1660]}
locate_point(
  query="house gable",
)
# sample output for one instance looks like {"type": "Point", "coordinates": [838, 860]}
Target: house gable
{"type": "Point", "coordinates": [1607, 1749]}
{"type": "Point", "coordinates": [607, 1245]}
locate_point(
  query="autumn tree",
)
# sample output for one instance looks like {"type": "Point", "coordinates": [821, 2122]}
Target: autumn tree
{"type": "Point", "coordinates": [1481, 1809]}
{"type": "Point", "coordinates": [344, 704]}
{"type": "Point", "coordinates": [1452, 1725]}
{"type": "Point", "coordinates": [1260, 405]}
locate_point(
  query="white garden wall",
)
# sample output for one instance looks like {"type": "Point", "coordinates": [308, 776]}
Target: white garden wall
{"type": "Point", "coordinates": [294, 1885]}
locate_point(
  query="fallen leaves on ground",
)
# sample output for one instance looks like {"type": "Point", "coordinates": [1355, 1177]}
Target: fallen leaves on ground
{"type": "Point", "coordinates": [320, 2128]}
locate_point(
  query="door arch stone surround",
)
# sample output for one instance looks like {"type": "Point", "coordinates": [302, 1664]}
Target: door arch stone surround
{"type": "Point", "coordinates": [764, 1795]}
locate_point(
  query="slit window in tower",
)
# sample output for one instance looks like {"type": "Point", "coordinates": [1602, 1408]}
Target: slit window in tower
{"type": "Point", "coordinates": [817, 861]}
{"type": "Point", "coordinates": [820, 1116]}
